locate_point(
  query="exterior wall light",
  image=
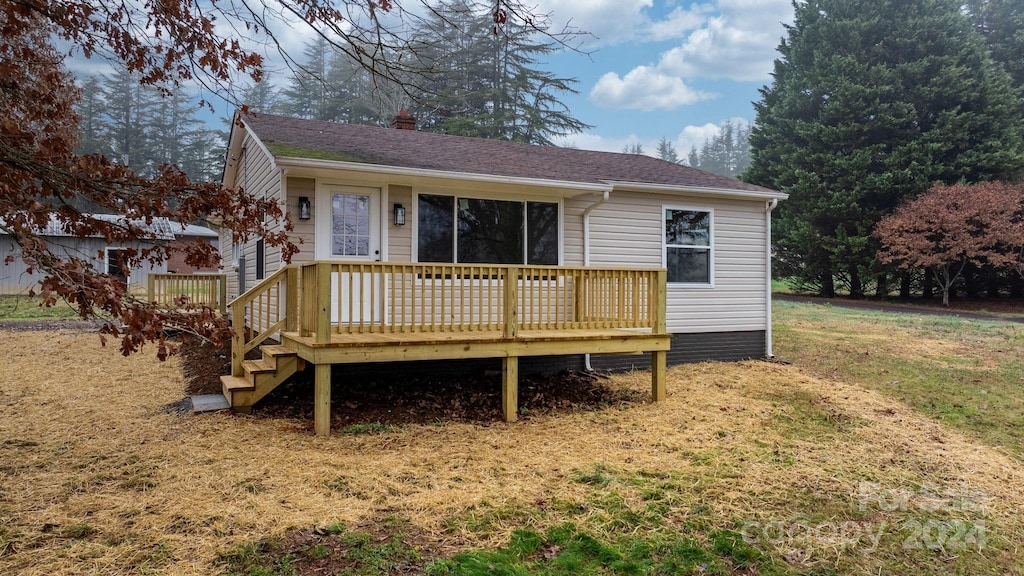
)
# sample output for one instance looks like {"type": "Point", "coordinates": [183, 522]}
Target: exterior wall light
{"type": "Point", "coordinates": [399, 215]}
{"type": "Point", "coordinates": [304, 208]}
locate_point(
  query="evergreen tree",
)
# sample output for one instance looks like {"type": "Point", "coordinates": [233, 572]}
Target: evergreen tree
{"type": "Point", "coordinates": [260, 96]}
{"type": "Point", "coordinates": [488, 85]}
{"type": "Point", "coordinates": [871, 103]}
{"type": "Point", "coordinates": [170, 126]}
{"type": "Point", "coordinates": [727, 153]}
{"type": "Point", "coordinates": [666, 151]}
{"type": "Point", "coordinates": [91, 109]}
{"type": "Point", "coordinates": [634, 148]}
{"type": "Point", "coordinates": [128, 107]}
{"type": "Point", "coordinates": [1001, 22]}
{"type": "Point", "coordinates": [308, 94]}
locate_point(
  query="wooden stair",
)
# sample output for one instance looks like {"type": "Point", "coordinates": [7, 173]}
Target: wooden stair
{"type": "Point", "coordinates": [260, 377]}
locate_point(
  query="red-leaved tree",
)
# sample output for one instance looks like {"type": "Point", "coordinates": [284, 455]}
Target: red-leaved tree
{"type": "Point", "coordinates": [950, 226]}
{"type": "Point", "coordinates": [166, 43]}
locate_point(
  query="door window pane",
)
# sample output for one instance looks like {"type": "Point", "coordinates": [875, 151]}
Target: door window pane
{"type": "Point", "coordinates": [350, 228]}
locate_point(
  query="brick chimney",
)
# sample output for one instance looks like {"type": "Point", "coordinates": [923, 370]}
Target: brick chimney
{"type": "Point", "coordinates": [403, 121]}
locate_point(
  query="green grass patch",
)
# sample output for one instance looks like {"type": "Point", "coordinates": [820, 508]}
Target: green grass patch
{"type": "Point", "coordinates": [962, 372]}
{"type": "Point", "coordinates": [21, 307]}
{"type": "Point", "coordinates": [332, 550]}
{"type": "Point", "coordinates": [367, 429]}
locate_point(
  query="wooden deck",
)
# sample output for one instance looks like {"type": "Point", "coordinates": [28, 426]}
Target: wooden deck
{"type": "Point", "coordinates": [329, 313]}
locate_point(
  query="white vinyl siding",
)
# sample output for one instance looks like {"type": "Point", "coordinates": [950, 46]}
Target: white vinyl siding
{"type": "Point", "coordinates": [302, 230]}
{"type": "Point", "coordinates": [399, 238]}
{"type": "Point", "coordinates": [259, 176]}
{"type": "Point", "coordinates": [627, 231]}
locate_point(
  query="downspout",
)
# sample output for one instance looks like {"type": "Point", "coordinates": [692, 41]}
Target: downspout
{"type": "Point", "coordinates": [586, 251]}
{"type": "Point", "coordinates": [768, 276]}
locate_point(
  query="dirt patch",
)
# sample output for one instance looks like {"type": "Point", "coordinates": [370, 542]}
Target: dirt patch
{"type": "Point", "coordinates": [96, 478]}
{"type": "Point", "coordinates": [427, 400]}
{"type": "Point", "coordinates": [392, 401]}
{"type": "Point", "coordinates": [202, 364]}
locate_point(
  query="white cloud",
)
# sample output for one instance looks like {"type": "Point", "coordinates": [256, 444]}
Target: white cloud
{"type": "Point", "coordinates": [689, 137]}
{"type": "Point", "coordinates": [739, 43]}
{"type": "Point", "coordinates": [733, 39]}
{"type": "Point", "coordinates": [644, 88]}
{"type": "Point", "coordinates": [678, 22]}
{"type": "Point", "coordinates": [589, 141]}
{"type": "Point", "coordinates": [609, 21]}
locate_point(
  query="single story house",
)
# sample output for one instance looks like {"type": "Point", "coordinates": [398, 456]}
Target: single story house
{"type": "Point", "coordinates": [14, 275]}
{"type": "Point", "coordinates": [358, 193]}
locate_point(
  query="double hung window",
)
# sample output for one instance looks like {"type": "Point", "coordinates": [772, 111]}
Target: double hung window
{"type": "Point", "coordinates": [688, 246]}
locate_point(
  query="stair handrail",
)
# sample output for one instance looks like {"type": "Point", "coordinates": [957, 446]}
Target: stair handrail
{"type": "Point", "coordinates": [242, 340]}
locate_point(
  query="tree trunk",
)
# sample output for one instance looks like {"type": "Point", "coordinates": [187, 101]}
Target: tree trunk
{"type": "Point", "coordinates": [972, 284]}
{"type": "Point", "coordinates": [1016, 286]}
{"type": "Point", "coordinates": [947, 283]}
{"type": "Point", "coordinates": [928, 285]}
{"type": "Point", "coordinates": [905, 286]}
{"type": "Point", "coordinates": [882, 286]}
{"type": "Point", "coordinates": [856, 285]}
{"type": "Point", "coordinates": [828, 284]}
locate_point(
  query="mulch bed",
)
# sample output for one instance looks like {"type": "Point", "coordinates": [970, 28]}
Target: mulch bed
{"type": "Point", "coordinates": [387, 400]}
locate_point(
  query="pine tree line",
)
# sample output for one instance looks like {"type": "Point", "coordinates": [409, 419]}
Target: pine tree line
{"type": "Point", "coordinates": [139, 127]}
{"type": "Point", "coordinates": [871, 104]}
{"type": "Point", "coordinates": [476, 83]}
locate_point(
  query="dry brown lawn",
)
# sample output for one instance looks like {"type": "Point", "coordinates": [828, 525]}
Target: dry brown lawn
{"type": "Point", "coordinates": [96, 477]}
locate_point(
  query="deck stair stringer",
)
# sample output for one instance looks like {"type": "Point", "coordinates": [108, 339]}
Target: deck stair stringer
{"type": "Point", "coordinates": [260, 377]}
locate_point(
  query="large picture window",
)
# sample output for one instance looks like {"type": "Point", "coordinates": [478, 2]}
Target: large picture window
{"type": "Point", "coordinates": [478, 230]}
{"type": "Point", "coordinates": [688, 246]}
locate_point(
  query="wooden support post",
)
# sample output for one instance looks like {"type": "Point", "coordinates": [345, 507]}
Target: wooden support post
{"type": "Point", "coordinates": [659, 358]}
{"type": "Point", "coordinates": [323, 302]}
{"type": "Point", "coordinates": [291, 294]}
{"type": "Point", "coordinates": [238, 340]}
{"type": "Point", "coordinates": [511, 302]}
{"type": "Point", "coordinates": [510, 388]}
{"type": "Point", "coordinates": [322, 400]}
{"type": "Point", "coordinates": [658, 386]}
{"type": "Point", "coordinates": [151, 286]}
{"type": "Point", "coordinates": [222, 294]}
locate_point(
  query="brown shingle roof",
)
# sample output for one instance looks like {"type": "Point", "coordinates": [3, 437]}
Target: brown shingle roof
{"type": "Point", "coordinates": [299, 138]}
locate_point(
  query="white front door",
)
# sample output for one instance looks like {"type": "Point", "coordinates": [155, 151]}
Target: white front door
{"type": "Point", "coordinates": [348, 223]}
{"type": "Point", "coordinates": [348, 228]}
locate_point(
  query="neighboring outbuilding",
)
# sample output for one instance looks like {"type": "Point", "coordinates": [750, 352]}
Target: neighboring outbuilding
{"type": "Point", "coordinates": [15, 278]}
{"type": "Point", "coordinates": [361, 193]}
{"type": "Point", "coordinates": [190, 234]}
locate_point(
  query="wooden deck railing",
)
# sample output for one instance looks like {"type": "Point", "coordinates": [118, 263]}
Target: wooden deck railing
{"type": "Point", "coordinates": [170, 290]}
{"type": "Point", "coordinates": [264, 309]}
{"type": "Point", "coordinates": [379, 297]}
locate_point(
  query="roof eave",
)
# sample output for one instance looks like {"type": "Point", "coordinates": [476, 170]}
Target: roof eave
{"type": "Point", "coordinates": [703, 190]}
{"type": "Point", "coordinates": [385, 169]}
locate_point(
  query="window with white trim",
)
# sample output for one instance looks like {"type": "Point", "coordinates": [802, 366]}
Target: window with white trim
{"type": "Point", "coordinates": [114, 264]}
{"type": "Point", "coordinates": [480, 230]}
{"type": "Point", "coordinates": [689, 246]}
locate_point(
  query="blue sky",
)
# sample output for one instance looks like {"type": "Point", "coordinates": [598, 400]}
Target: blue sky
{"type": "Point", "coordinates": [667, 68]}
